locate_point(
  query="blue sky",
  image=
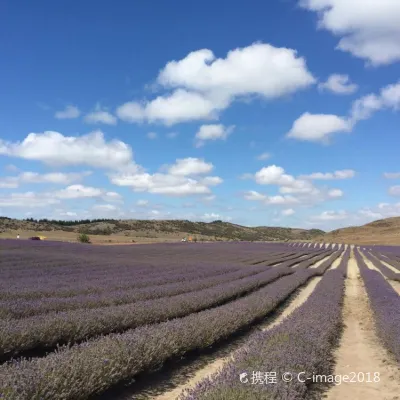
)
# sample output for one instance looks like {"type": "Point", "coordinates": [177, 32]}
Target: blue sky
{"type": "Point", "coordinates": [280, 113]}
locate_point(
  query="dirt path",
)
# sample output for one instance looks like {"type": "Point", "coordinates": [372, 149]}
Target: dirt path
{"type": "Point", "coordinates": [217, 364]}
{"type": "Point", "coordinates": [336, 263]}
{"type": "Point", "coordinates": [394, 269]}
{"type": "Point", "coordinates": [360, 349]}
{"type": "Point", "coordinates": [318, 263]}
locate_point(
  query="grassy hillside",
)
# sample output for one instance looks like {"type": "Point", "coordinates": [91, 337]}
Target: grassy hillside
{"type": "Point", "coordinates": [157, 229]}
{"type": "Point", "coordinates": [383, 231]}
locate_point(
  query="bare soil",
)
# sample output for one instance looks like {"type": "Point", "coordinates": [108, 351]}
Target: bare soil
{"type": "Point", "coordinates": [360, 349]}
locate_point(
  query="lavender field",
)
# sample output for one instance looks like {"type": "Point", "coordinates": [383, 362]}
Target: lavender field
{"type": "Point", "coordinates": [128, 322]}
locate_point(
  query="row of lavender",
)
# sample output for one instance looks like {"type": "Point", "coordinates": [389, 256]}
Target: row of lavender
{"type": "Point", "coordinates": [300, 346]}
{"type": "Point", "coordinates": [139, 290]}
{"type": "Point", "coordinates": [385, 303]}
{"type": "Point", "coordinates": [378, 260]}
{"type": "Point", "coordinates": [53, 328]}
{"type": "Point", "coordinates": [135, 270]}
{"type": "Point", "coordinates": [93, 366]}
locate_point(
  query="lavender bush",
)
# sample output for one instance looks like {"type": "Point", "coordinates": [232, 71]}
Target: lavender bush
{"type": "Point", "coordinates": [303, 342]}
{"type": "Point", "coordinates": [91, 367]}
{"type": "Point", "coordinates": [383, 268]}
{"type": "Point", "coordinates": [385, 303]}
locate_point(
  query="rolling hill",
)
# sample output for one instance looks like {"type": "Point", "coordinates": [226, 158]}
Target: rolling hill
{"type": "Point", "coordinates": [167, 230]}
{"type": "Point", "coordinates": [383, 231]}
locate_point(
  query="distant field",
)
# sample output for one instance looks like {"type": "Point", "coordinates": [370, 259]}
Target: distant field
{"type": "Point", "coordinates": [203, 321]}
{"type": "Point", "coordinates": [95, 239]}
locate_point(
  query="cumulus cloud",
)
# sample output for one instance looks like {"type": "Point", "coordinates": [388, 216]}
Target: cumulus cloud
{"type": "Point", "coordinates": [366, 106]}
{"type": "Point", "coordinates": [142, 203]}
{"type": "Point", "coordinates": [34, 177]}
{"type": "Point", "coordinates": [53, 148]}
{"type": "Point", "coordinates": [287, 212]}
{"type": "Point", "coordinates": [180, 179]}
{"type": "Point", "coordinates": [104, 207]}
{"type": "Point", "coordinates": [100, 116]}
{"type": "Point", "coordinates": [253, 195]}
{"type": "Point", "coordinates": [330, 216]}
{"type": "Point", "coordinates": [205, 85]}
{"type": "Point", "coordinates": [209, 217]}
{"type": "Point", "coordinates": [338, 84]}
{"type": "Point", "coordinates": [27, 200]}
{"type": "Point", "coordinates": [336, 175]}
{"type": "Point", "coordinates": [392, 175]}
{"type": "Point", "coordinates": [212, 132]}
{"type": "Point", "coordinates": [70, 112]}
{"type": "Point", "coordinates": [368, 29]}
{"type": "Point", "coordinates": [180, 106]}
{"type": "Point", "coordinates": [257, 69]}
{"type": "Point", "coordinates": [294, 190]}
{"type": "Point", "coordinates": [334, 193]}
{"type": "Point", "coordinates": [42, 199]}
{"type": "Point", "coordinates": [190, 166]}
{"type": "Point", "coordinates": [318, 127]}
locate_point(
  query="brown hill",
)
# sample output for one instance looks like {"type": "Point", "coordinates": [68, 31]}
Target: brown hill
{"type": "Point", "coordinates": [151, 230]}
{"type": "Point", "coordinates": [383, 231]}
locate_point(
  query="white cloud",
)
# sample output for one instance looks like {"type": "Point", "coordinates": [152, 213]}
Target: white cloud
{"type": "Point", "coordinates": [318, 127]}
{"type": "Point", "coordinates": [179, 180]}
{"type": "Point", "coordinates": [304, 190]}
{"type": "Point", "coordinates": [257, 69]}
{"type": "Point", "coordinates": [365, 107]}
{"type": "Point", "coordinates": [172, 135]}
{"type": "Point", "coordinates": [180, 106]}
{"type": "Point", "coordinates": [339, 84]}
{"type": "Point", "coordinates": [104, 207]}
{"type": "Point", "coordinates": [209, 198]}
{"type": "Point", "coordinates": [211, 181]}
{"type": "Point", "coordinates": [336, 175]}
{"type": "Point", "coordinates": [253, 195]}
{"type": "Point", "coordinates": [161, 184]}
{"type": "Point", "coordinates": [34, 177]}
{"type": "Point", "coordinates": [70, 112]}
{"type": "Point", "coordinates": [335, 193]}
{"type": "Point", "coordinates": [331, 216]}
{"type": "Point", "coordinates": [78, 192]}
{"type": "Point", "coordinates": [142, 203]}
{"type": "Point", "coordinates": [394, 190]}
{"type": "Point", "coordinates": [288, 212]}
{"type": "Point", "coordinates": [206, 85]}
{"type": "Point", "coordinates": [190, 166]}
{"type": "Point", "coordinates": [392, 175]}
{"type": "Point", "coordinates": [112, 196]}
{"type": "Point", "coordinates": [100, 116]}
{"type": "Point", "coordinates": [152, 135]}
{"type": "Point", "coordinates": [212, 132]}
{"type": "Point", "coordinates": [27, 200]}
{"type": "Point", "coordinates": [263, 156]}
{"type": "Point", "coordinates": [55, 149]}
{"type": "Point", "coordinates": [209, 217]}
{"type": "Point", "coordinates": [368, 29]}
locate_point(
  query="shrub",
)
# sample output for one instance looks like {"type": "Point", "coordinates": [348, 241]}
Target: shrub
{"type": "Point", "coordinates": [83, 238]}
